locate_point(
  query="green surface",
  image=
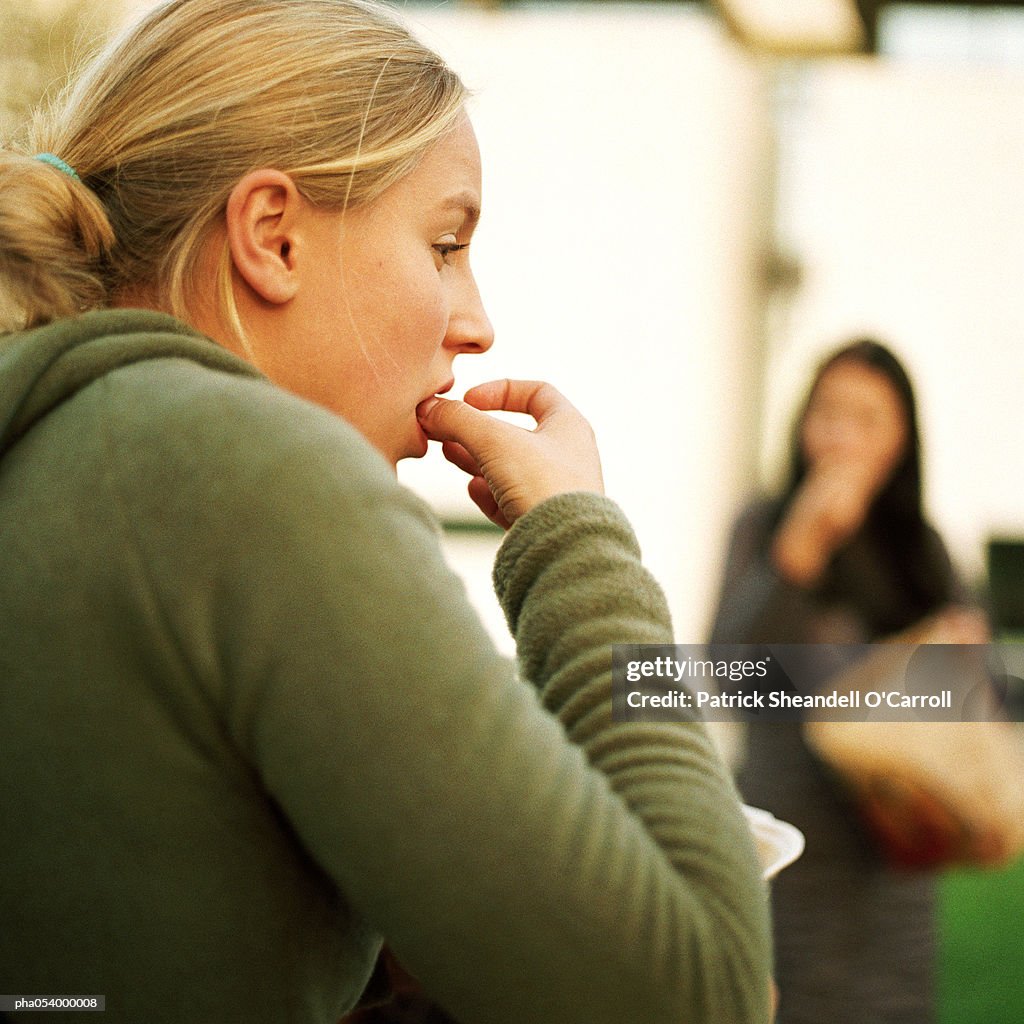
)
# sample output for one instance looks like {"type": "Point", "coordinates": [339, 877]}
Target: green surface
{"type": "Point", "coordinates": [981, 916]}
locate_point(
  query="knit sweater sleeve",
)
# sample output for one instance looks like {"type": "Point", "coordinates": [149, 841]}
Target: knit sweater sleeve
{"type": "Point", "coordinates": [530, 861]}
{"type": "Point", "coordinates": [690, 913]}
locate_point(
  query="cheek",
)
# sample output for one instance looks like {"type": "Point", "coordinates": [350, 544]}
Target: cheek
{"type": "Point", "coordinates": [892, 451]}
{"type": "Point", "coordinates": [881, 453]}
{"type": "Point", "coordinates": [417, 326]}
{"type": "Point", "coordinates": [401, 312]}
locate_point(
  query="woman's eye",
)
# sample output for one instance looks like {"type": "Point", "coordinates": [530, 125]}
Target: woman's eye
{"type": "Point", "coordinates": [445, 249]}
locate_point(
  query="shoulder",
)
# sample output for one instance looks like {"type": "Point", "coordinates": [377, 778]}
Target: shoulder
{"type": "Point", "coordinates": [195, 451]}
{"type": "Point", "coordinates": [180, 414]}
{"type": "Point", "coordinates": [932, 539]}
{"type": "Point", "coordinates": [756, 519]}
{"type": "Point", "coordinates": [935, 553]}
{"type": "Point", "coordinates": [166, 392]}
{"type": "Point", "coordinates": [252, 508]}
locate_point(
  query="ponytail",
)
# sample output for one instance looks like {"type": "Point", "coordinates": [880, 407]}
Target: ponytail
{"type": "Point", "coordinates": [54, 236]}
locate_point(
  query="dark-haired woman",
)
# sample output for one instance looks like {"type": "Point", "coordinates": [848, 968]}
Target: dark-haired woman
{"type": "Point", "coordinates": [843, 555]}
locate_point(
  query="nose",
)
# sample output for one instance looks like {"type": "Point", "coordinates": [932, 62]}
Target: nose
{"type": "Point", "coordinates": [469, 327]}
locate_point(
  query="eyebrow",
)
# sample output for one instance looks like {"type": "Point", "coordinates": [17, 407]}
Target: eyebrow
{"type": "Point", "coordinates": [467, 203]}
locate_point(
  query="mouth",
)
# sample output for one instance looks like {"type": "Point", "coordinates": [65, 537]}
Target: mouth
{"type": "Point", "coordinates": [442, 390]}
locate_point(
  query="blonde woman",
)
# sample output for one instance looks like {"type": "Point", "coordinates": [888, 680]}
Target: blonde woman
{"type": "Point", "coordinates": [251, 723]}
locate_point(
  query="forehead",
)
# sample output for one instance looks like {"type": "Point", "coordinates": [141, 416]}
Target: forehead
{"type": "Point", "coordinates": [447, 177]}
{"type": "Point", "coordinates": [856, 384]}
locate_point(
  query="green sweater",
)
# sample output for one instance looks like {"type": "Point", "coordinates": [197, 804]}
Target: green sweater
{"type": "Point", "coordinates": [250, 723]}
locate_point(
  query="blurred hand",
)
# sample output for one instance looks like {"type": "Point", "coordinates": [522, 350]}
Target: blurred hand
{"type": "Point", "coordinates": [829, 507]}
{"type": "Point", "coordinates": [512, 469]}
{"type": "Point", "coordinates": [956, 624]}
{"type": "Point", "coordinates": [833, 501]}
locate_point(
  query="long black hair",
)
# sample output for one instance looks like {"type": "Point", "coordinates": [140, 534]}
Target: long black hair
{"type": "Point", "coordinates": [895, 525]}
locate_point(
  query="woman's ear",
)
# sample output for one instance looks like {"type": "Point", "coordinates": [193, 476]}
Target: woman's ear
{"type": "Point", "coordinates": [262, 213]}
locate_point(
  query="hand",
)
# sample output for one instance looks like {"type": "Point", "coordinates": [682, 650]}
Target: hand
{"type": "Point", "coordinates": [512, 469]}
{"type": "Point", "coordinates": [834, 500]}
{"type": "Point", "coordinates": [957, 624]}
{"type": "Point", "coordinates": [828, 508]}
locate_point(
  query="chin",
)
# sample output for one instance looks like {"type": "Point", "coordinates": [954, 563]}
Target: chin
{"type": "Point", "coordinates": [415, 447]}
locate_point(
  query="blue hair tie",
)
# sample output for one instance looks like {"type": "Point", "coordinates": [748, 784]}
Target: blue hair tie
{"type": "Point", "coordinates": [61, 165]}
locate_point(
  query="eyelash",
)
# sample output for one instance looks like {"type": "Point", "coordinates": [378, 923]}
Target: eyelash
{"type": "Point", "coordinates": [445, 249]}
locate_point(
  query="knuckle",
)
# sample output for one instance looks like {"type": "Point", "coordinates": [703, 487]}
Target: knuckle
{"type": "Point", "coordinates": [549, 393]}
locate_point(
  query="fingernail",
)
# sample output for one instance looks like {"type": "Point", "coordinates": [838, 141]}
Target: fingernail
{"type": "Point", "coordinates": [426, 406]}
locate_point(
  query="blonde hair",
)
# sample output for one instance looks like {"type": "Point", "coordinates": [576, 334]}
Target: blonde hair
{"type": "Point", "coordinates": [163, 124]}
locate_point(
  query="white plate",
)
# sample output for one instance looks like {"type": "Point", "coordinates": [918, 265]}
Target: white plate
{"type": "Point", "coordinates": [778, 842]}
